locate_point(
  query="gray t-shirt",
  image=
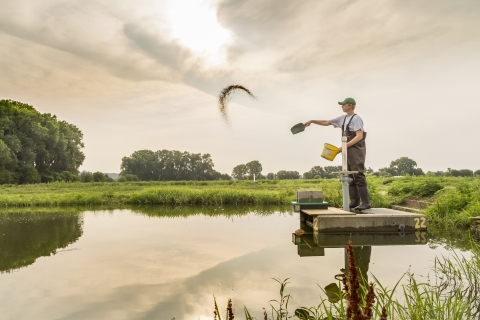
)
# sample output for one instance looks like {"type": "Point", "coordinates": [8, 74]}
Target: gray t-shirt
{"type": "Point", "coordinates": [356, 124]}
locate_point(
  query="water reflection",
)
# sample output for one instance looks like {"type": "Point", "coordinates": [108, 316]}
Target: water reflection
{"type": "Point", "coordinates": [310, 243]}
{"type": "Point", "coordinates": [211, 211]}
{"type": "Point", "coordinates": [168, 262]}
{"type": "Point", "coordinates": [27, 236]}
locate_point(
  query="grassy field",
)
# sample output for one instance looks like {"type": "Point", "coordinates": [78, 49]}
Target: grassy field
{"type": "Point", "coordinates": [453, 200]}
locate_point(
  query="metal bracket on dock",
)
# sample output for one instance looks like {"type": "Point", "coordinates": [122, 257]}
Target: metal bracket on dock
{"type": "Point", "coordinates": [345, 173]}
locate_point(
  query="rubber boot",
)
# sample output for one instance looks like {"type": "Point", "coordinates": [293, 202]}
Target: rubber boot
{"type": "Point", "coordinates": [365, 196]}
{"type": "Point", "coordinates": [354, 196]}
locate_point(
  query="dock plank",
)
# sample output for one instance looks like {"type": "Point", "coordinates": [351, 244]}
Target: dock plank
{"type": "Point", "coordinates": [329, 211]}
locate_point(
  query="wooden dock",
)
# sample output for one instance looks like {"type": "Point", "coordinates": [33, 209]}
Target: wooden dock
{"type": "Point", "coordinates": [333, 220]}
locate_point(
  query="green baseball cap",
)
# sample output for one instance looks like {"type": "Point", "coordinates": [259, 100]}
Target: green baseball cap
{"type": "Point", "coordinates": [348, 101]}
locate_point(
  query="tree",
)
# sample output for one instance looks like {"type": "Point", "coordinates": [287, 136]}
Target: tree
{"type": "Point", "coordinates": [67, 176]}
{"type": "Point", "coordinates": [142, 163]}
{"type": "Point", "coordinates": [127, 177]}
{"type": "Point", "coordinates": [284, 175]}
{"type": "Point", "coordinates": [225, 176]}
{"type": "Point", "coordinates": [435, 174]}
{"type": "Point", "coordinates": [308, 175]}
{"type": "Point", "coordinates": [329, 171]}
{"type": "Point", "coordinates": [318, 171]}
{"type": "Point", "coordinates": [403, 166]}
{"type": "Point", "coordinates": [86, 176]}
{"type": "Point", "coordinates": [477, 173]}
{"type": "Point", "coordinates": [36, 147]}
{"type": "Point", "coordinates": [239, 172]}
{"type": "Point", "coordinates": [254, 167]}
{"type": "Point", "coordinates": [270, 176]}
{"type": "Point", "coordinates": [384, 172]}
{"type": "Point", "coordinates": [169, 165]}
{"type": "Point", "coordinates": [460, 173]}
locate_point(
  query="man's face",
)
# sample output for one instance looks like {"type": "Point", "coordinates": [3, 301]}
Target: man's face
{"type": "Point", "coordinates": [347, 107]}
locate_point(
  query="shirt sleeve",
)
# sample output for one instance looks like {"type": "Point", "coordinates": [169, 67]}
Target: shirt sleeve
{"type": "Point", "coordinates": [337, 122]}
{"type": "Point", "coordinates": [357, 124]}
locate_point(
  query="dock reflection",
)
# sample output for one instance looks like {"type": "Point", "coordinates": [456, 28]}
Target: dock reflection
{"type": "Point", "coordinates": [310, 243]}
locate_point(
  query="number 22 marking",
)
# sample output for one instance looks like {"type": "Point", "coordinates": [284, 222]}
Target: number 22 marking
{"type": "Point", "coordinates": [420, 223]}
{"type": "Point", "coordinates": [420, 237]}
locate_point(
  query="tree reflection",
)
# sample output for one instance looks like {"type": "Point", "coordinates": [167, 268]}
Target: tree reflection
{"type": "Point", "coordinates": [28, 236]}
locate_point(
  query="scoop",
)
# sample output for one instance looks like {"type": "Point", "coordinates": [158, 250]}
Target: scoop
{"type": "Point", "coordinates": [299, 127]}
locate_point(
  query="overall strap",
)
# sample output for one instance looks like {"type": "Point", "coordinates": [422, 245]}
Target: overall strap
{"type": "Point", "coordinates": [344, 119]}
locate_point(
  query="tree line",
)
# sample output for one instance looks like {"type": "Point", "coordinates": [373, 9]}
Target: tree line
{"type": "Point", "coordinates": [168, 165]}
{"type": "Point", "coordinates": [406, 166]}
{"type": "Point", "coordinates": [36, 147]}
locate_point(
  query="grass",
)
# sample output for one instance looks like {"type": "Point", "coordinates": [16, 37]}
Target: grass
{"type": "Point", "coordinates": [160, 193]}
{"type": "Point", "coordinates": [453, 200]}
{"type": "Point", "coordinates": [172, 193]}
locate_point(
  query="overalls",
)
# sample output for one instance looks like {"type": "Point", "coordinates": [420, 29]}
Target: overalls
{"type": "Point", "coordinates": [355, 155]}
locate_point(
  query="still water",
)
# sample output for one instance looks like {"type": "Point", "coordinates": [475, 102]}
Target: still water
{"type": "Point", "coordinates": [158, 263]}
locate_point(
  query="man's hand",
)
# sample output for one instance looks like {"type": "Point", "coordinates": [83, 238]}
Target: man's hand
{"type": "Point", "coordinates": [308, 123]}
{"type": "Point", "coordinates": [339, 150]}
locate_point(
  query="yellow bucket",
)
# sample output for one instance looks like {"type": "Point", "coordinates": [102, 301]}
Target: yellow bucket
{"type": "Point", "coordinates": [329, 151]}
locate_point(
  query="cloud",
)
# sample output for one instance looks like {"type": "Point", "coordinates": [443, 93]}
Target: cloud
{"type": "Point", "coordinates": [309, 35]}
{"type": "Point", "coordinates": [299, 58]}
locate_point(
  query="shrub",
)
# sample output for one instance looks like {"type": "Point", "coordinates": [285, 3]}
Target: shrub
{"type": "Point", "coordinates": [407, 188]}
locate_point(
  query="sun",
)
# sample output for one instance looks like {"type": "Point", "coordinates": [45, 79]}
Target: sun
{"type": "Point", "coordinates": [194, 24]}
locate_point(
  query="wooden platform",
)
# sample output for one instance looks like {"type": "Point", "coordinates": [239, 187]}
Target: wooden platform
{"type": "Point", "coordinates": [334, 211]}
{"type": "Point", "coordinates": [333, 220]}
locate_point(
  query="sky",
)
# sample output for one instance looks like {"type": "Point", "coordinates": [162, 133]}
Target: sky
{"type": "Point", "coordinates": [147, 74]}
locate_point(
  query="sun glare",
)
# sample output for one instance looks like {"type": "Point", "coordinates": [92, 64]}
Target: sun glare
{"type": "Point", "coordinates": [194, 24]}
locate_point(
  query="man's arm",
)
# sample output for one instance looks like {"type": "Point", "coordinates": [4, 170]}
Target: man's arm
{"type": "Point", "coordinates": [358, 137]}
{"type": "Point", "coordinates": [319, 122]}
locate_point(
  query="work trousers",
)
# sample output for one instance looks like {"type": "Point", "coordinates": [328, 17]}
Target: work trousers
{"type": "Point", "coordinates": [356, 162]}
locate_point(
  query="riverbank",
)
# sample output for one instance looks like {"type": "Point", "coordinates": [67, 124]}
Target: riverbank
{"type": "Point", "coordinates": [450, 201]}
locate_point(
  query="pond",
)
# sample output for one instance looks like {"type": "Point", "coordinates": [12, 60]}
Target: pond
{"type": "Point", "coordinates": [165, 263]}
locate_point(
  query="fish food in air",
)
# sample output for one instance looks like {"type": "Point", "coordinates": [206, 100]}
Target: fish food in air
{"type": "Point", "coordinates": [225, 96]}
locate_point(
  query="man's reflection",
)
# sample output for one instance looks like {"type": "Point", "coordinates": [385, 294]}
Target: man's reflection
{"type": "Point", "coordinates": [362, 261]}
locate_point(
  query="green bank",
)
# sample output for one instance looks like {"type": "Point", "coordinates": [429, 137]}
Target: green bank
{"type": "Point", "coordinates": [451, 201]}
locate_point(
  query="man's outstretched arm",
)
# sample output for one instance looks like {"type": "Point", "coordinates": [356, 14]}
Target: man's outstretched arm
{"type": "Point", "coordinates": [319, 122]}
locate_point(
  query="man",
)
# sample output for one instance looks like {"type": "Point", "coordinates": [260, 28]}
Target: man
{"type": "Point", "coordinates": [352, 127]}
